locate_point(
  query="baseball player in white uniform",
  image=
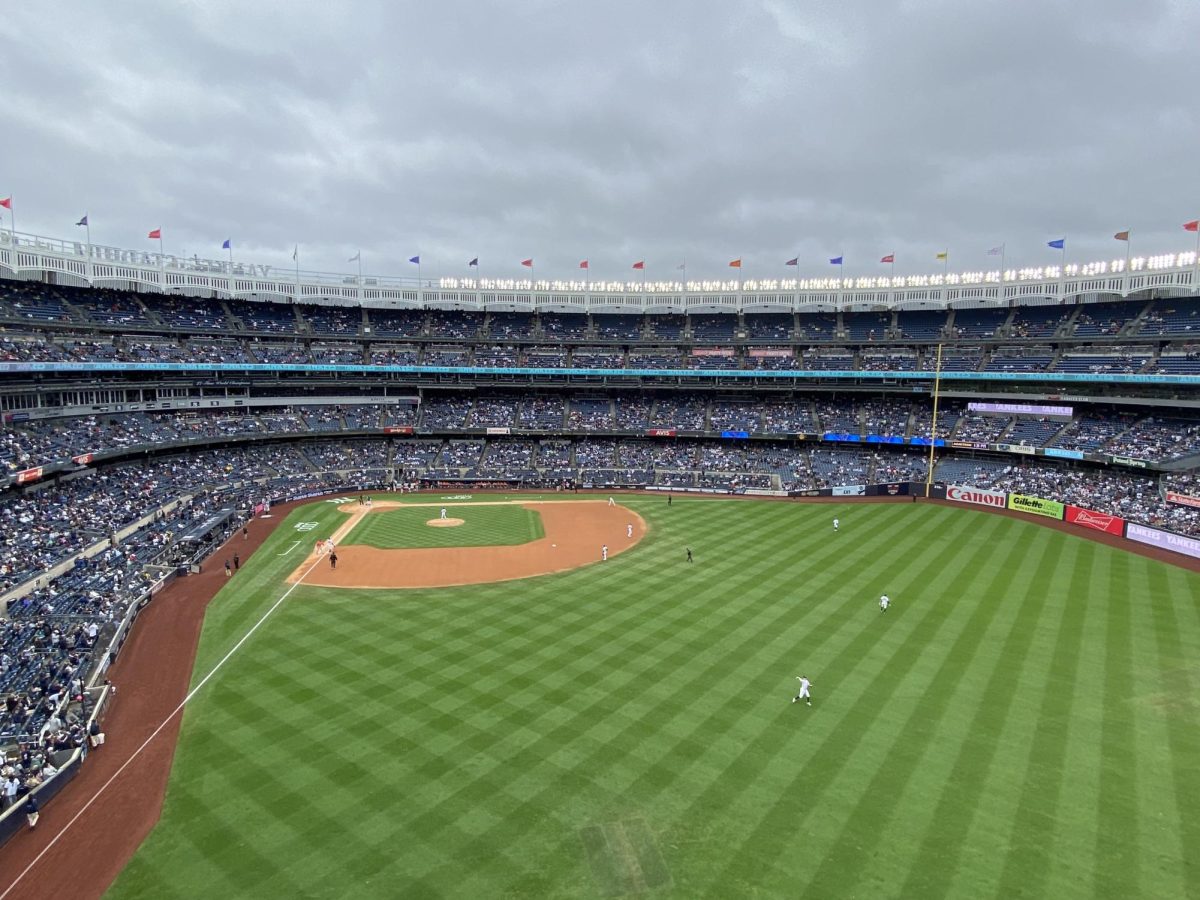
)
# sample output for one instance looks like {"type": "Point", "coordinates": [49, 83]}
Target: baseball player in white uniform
{"type": "Point", "coordinates": [604, 553]}
{"type": "Point", "coordinates": [629, 530]}
{"type": "Point", "coordinates": [804, 694]}
{"type": "Point", "coordinates": [884, 602]}
{"type": "Point", "coordinates": [443, 512]}
{"type": "Point", "coordinates": [835, 524]}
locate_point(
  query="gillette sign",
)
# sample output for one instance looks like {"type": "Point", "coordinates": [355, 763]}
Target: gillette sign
{"type": "Point", "coordinates": [977, 496]}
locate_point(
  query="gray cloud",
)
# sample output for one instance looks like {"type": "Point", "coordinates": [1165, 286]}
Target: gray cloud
{"type": "Point", "coordinates": [666, 132]}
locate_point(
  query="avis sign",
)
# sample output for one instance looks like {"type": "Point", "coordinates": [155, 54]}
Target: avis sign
{"type": "Point", "coordinates": [978, 496]}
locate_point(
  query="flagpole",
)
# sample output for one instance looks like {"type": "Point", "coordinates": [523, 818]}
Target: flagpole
{"type": "Point", "coordinates": [230, 249]}
{"type": "Point", "coordinates": [1128, 243]}
{"type": "Point", "coordinates": [937, 390]}
{"type": "Point", "coordinates": [87, 227]}
{"type": "Point", "coordinates": [296, 260]}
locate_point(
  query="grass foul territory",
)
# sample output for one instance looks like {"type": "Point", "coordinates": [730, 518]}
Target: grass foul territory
{"type": "Point", "coordinates": [1023, 721]}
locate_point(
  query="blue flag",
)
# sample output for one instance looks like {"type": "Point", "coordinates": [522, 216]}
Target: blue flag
{"type": "Point", "coordinates": [836, 261]}
{"type": "Point", "coordinates": [415, 259]}
{"type": "Point", "coordinates": [227, 245]}
{"type": "Point", "coordinates": [474, 262]}
{"type": "Point", "coordinates": [1057, 245]}
{"type": "Point", "coordinates": [82, 221]}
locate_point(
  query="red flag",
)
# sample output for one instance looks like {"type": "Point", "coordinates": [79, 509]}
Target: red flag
{"type": "Point", "coordinates": [794, 261]}
{"type": "Point", "coordinates": [527, 263]}
{"type": "Point", "coordinates": [640, 264]}
{"type": "Point", "coordinates": [1193, 225]}
{"type": "Point", "coordinates": [735, 264]}
{"type": "Point", "coordinates": [6, 202]}
{"type": "Point", "coordinates": [1121, 236]}
{"type": "Point", "coordinates": [890, 258]}
{"type": "Point", "coordinates": [584, 264]}
{"type": "Point", "coordinates": [156, 234]}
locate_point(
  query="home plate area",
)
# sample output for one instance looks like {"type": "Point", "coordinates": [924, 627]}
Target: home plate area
{"type": "Point", "coordinates": [573, 535]}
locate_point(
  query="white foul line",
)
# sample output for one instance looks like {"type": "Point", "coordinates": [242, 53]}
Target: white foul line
{"type": "Point", "coordinates": [294, 545]}
{"type": "Point", "coordinates": [203, 681]}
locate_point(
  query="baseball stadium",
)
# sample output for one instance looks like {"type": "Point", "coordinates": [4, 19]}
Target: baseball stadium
{"type": "Point", "coordinates": [344, 586]}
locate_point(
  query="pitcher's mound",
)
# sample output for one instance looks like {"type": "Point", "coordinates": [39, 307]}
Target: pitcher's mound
{"type": "Point", "coordinates": [444, 523]}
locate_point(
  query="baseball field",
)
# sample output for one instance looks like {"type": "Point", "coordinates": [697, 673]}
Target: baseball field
{"type": "Point", "coordinates": [1023, 721]}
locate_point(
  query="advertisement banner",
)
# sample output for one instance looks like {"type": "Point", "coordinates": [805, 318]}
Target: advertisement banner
{"type": "Point", "coordinates": [735, 434]}
{"type": "Point", "coordinates": [850, 490]}
{"type": "Point", "coordinates": [29, 475]}
{"type": "Point", "coordinates": [1035, 506]}
{"type": "Point", "coordinates": [970, 445]}
{"type": "Point", "coordinates": [963, 494]}
{"type": "Point", "coordinates": [711, 351]}
{"type": "Point", "coordinates": [1021, 409]}
{"type": "Point", "coordinates": [1130, 461]}
{"type": "Point", "coordinates": [498, 431]}
{"type": "Point", "coordinates": [1017, 448]}
{"type": "Point", "coordinates": [769, 353]}
{"type": "Point", "coordinates": [1167, 540]}
{"type": "Point", "coordinates": [82, 459]}
{"type": "Point", "coordinates": [764, 492]}
{"type": "Point", "coordinates": [398, 429]}
{"type": "Point", "coordinates": [894, 489]}
{"type": "Point", "coordinates": [1088, 518]}
{"type": "Point", "coordinates": [1063, 454]}
{"type": "Point", "coordinates": [660, 432]}
{"type": "Point", "coordinates": [1183, 499]}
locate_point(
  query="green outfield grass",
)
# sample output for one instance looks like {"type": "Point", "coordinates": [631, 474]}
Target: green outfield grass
{"type": "Point", "coordinates": [1022, 723]}
{"type": "Point", "coordinates": [482, 526]}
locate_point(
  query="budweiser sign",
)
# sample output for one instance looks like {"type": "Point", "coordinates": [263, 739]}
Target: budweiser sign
{"type": "Point", "coordinates": [975, 495]}
{"type": "Point", "coordinates": [1183, 499]}
{"type": "Point", "coordinates": [1089, 518]}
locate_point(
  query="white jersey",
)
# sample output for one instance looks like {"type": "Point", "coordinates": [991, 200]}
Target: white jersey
{"type": "Point", "coordinates": [884, 601]}
{"type": "Point", "coordinates": [628, 531]}
{"type": "Point", "coordinates": [804, 686]}
{"type": "Point", "coordinates": [835, 524]}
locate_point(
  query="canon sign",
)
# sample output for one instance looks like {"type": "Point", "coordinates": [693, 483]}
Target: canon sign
{"type": "Point", "coordinates": [975, 495]}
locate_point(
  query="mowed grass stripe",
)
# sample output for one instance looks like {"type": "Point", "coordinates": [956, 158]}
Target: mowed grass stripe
{"type": "Point", "coordinates": [1031, 848]}
{"type": "Point", "coordinates": [839, 757]}
{"type": "Point", "coordinates": [1017, 590]}
{"type": "Point", "coordinates": [923, 702]}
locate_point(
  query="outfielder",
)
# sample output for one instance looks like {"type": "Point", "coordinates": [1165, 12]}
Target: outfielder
{"type": "Point", "coordinates": [884, 602]}
{"type": "Point", "coordinates": [804, 695]}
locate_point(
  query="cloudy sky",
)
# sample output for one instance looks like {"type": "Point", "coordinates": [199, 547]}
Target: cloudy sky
{"type": "Point", "coordinates": [666, 131]}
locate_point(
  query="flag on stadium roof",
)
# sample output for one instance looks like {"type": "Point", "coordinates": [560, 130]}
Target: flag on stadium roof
{"type": "Point", "coordinates": [296, 253]}
{"type": "Point", "coordinates": [735, 264]}
{"type": "Point", "coordinates": [996, 251]}
{"type": "Point", "coordinates": [1193, 225]}
{"type": "Point", "coordinates": [474, 262]}
{"type": "Point", "coordinates": [794, 261]}
{"type": "Point", "coordinates": [836, 261]}
{"type": "Point", "coordinates": [944, 255]}
{"type": "Point", "coordinates": [357, 257]}
{"type": "Point", "coordinates": [415, 259]}
{"type": "Point", "coordinates": [1121, 236]}
{"type": "Point", "coordinates": [583, 264]}
{"type": "Point", "coordinates": [640, 264]}
{"type": "Point", "coordinates": [156, 234]}
{"type": "Point", "coordinates": [527, 263]}
{"type": "Point", "coordinates": [82, 222]}
{"type": "Point", "coordinates": [6, 202]}
{"type": "Point", "coordinates": [227, 244]}
{"type": "Point", "coordinates": [1059, 244]}
{"type": "Point", "coordinates": [890, 258]}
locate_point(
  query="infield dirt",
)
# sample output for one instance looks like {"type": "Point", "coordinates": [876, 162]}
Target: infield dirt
{"type": "Point", "coordinates": [575, 532]}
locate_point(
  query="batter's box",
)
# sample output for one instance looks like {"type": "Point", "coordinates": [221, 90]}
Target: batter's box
{"type": "Point", "coordinates": [624, 858]}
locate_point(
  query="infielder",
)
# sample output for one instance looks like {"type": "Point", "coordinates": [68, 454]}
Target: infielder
{"type": "Point", "coordinates": [804, 695]}
{"type": "Point", "coordinates": [443, 512]}
{"type": "Point", "coordinates": [604, 553]}
{"type": "Point", "coordinates": [629, 531]}
{"type": "Point", "coordinates": [612, 502]}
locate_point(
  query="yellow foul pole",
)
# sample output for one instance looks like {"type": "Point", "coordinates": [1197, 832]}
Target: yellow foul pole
{"type": "Point", "coordinates": [937, 388]}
